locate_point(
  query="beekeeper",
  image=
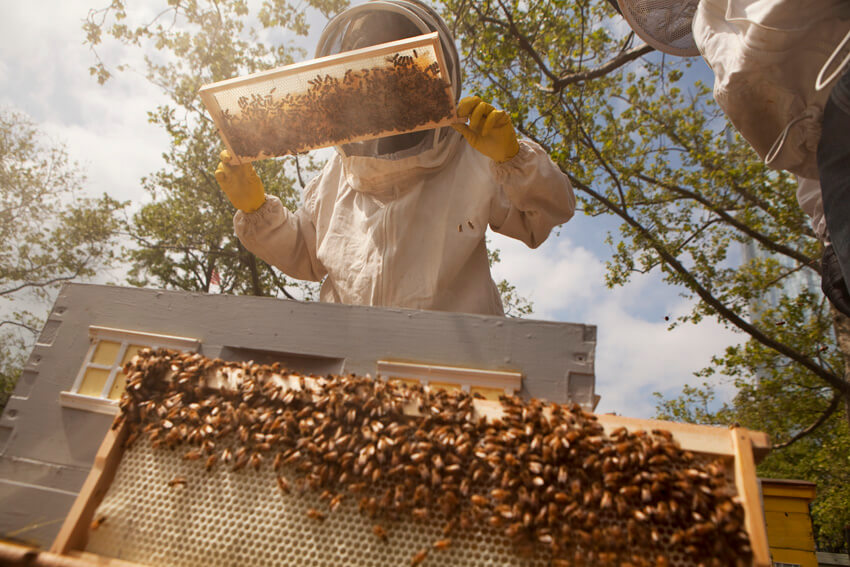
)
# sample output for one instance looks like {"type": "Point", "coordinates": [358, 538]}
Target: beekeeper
{"type": "Point", "coordinates": [781, 76]}
{"type": "Point", "coordinates": [400, 221]}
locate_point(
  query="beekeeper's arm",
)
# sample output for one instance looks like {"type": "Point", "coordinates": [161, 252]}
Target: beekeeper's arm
{"type": "Point", "coordinates": [535, 195]}
{"type": "Point", "coordinates": [269, 230]}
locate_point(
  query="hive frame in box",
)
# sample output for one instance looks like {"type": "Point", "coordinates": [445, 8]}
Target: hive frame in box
{"type": "Point", "coordinates": [208, 92]}
{"type": "Point", "coordinates": [737, 447]}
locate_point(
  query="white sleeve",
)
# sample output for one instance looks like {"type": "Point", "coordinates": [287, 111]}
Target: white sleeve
{"type": "Point", "coordinates": [534, 195]}
{"type": "Point", "coordinates": [282, 238]}
{"type": "Point", "coordinates": [810, 200]}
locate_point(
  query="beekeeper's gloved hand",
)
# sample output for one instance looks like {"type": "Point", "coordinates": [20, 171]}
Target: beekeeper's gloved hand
{"type": "Point", "coordinates": [240, 183]}
{"type": "Point", "coordinates": [489, 130]}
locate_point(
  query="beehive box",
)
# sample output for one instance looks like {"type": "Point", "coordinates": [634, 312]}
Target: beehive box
{"type": "Point", "coordinates": [353, 471]}
{"type": "Point", "coordinates": [392, 88]}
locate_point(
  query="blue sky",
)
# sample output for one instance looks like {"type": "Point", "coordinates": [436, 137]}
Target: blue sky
{"type": "Point", "coordinates": [44, 72]}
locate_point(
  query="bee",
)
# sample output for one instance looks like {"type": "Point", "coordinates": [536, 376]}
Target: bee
{"type": "Point", "coordinates": [478, 500]}
{"type": "Point", "coordinates": [442, 544]}
{"type": "Point", "coordinates": [193, 455]}
{"type": "Point", "coordinates": [256, 461]}
{"type": "Point", "coordinates": [379, 532]}
{"type": "Point", "coordinates": [211, 460]}
{"type": "Point", "coordinates": [177, 480]}
{"type": "Point", "coordinates": [419, 557]}
{"type": "Point", "coordinates": [283, 484]}
{"type": "Point", "coordinates": [97, 522]}
{"type": "Point", "coordinates": [335, 502]}
{"type": "Point", "coordinates": [315, 514]}
{"type": "Point", "coordinates": [131, 438]}
{"type": "Point", "coordinates": [241, 458]}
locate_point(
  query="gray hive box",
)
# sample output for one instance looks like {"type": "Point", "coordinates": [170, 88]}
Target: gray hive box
{"type": "Point", "coordinates": [50, 430]}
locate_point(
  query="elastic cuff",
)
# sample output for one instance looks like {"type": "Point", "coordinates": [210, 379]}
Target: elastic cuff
{"type": "Point", "coordinates": [246, 222]}
{"type": "Point", "coordinates": [515, 165]}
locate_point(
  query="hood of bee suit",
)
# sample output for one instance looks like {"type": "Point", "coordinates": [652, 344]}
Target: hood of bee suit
{"type": "Point", "coordinates": [422, 19]}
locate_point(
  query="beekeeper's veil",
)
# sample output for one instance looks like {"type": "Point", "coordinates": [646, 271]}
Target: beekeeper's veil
{"type": "Point", "coordinates": [663, 24]}
{"type": "Point", "coordinates": [381, 21]}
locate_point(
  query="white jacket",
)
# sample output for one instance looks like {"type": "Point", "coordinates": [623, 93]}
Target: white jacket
{"type": "Point", "coordinates": [410, 232]}
{"type": "Point", "coordinates": [766, 55]}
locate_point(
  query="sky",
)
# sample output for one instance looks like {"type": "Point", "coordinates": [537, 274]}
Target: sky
{"type": "Point", "coordinates": [44, 71]}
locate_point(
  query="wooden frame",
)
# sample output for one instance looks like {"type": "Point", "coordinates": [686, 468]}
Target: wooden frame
{"type": "Point", "coordinates": [509, 381]}
{"type": "Point", "coordinates": [738, 447]}
{"type": "Point", "coordinates": [432, 40]}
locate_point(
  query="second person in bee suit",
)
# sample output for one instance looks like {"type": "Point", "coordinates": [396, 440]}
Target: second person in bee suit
{"type": "Point", "coordinates": [400, 221]}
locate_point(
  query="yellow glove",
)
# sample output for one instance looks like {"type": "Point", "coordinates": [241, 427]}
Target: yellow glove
{"type": "Point", "coordinates": [240, 183]}
{"type": "Point", "coordinates": [489, 131]}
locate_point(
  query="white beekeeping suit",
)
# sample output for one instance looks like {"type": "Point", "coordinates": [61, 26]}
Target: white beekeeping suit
{"type": "Point", "coordinates": [766, 56]}
{"type": "Point", "coordinates": [401, 221]}
{"type": "Point", "coordinates": [775, 64]}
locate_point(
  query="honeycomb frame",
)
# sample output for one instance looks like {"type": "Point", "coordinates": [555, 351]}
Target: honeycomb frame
{"type": "Point", "coordinates": [313, 538]}
{"type": "Point", "coordinates": [305, 81]}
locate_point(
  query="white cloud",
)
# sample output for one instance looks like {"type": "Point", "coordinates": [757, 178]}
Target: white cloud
{"type": "Point", "coordinates": [636, 354]}
{"type": "Point", "coordinates": [105, 128]}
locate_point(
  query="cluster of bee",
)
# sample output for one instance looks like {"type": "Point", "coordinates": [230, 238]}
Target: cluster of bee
{"type": "Point", "coordinates": [544, 475]}
{"type": "Point", "coordinates": [394, 98]}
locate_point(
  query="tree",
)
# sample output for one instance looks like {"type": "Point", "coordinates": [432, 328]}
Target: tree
{"type": "Point", "coordinates": [184, 236]}
{"type": "Point", "coordinates": [49, 234]}
{"type": "Point", "coordinates": [644, 142]}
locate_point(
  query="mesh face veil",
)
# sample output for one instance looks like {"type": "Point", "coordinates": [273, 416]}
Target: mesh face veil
{"type": "Point", "coordinates": [337, 36]}
{"type": "Point", "coordinates": [663, 24]}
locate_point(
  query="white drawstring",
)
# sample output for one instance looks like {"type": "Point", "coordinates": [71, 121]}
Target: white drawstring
{"type": "Point", "coordinates": [821, 82]}
{"type": "Point", "coordinates": [780, 141]}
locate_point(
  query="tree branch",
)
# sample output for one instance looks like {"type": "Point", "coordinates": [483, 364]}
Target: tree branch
{"type": "Point", "coordinates": [524, 43]}
{"type": "Point", "coordinates": [833, 405]}
{"type": "Point", "coordinates": [41, 284]}
{"type": "Point", "coordinates": [691, 282]}
{"type": "Point", "coordinates": [625, 57]}
{"type": "Point", "coordinates": [298, 172]}
{"type": "Point", "coordinates": [732, 221]}
{"type": "Point", "coordinates": [24, 325]}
